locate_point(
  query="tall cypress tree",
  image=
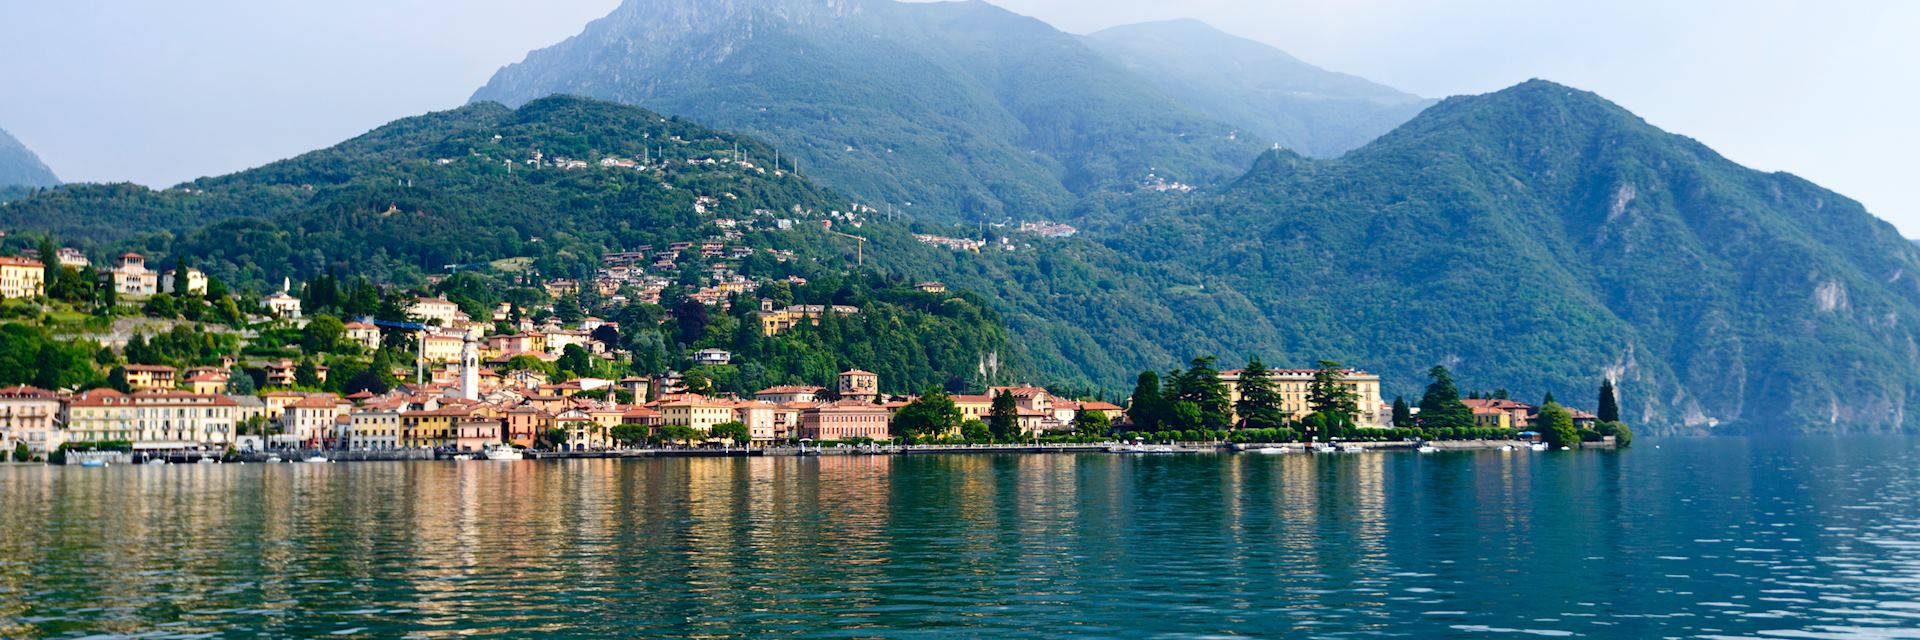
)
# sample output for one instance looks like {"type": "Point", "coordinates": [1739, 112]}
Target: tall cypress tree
{"type": "Point", "coordinates": [1259, 405]}
{"type": "Point", "coordinates": [1146, 408]}
{"type": "Point", "coordinates": [1004, 419]}
{"type": "Point", "coordinates": [49, 264]}
{"type": "Point", "coordinates": [1402, 414]}
{"type": "Point", "coordinates": [1609, 408]}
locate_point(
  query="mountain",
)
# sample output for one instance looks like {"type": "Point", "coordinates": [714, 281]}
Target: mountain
{"type": "Point", "coordinates": [952, 110]}
{"type": "Point", "coordinates": [20, 168]}
{"type": "Point", "coordinates": [1540, 237]}
{"type": "Point", "coordinates": [1275, 96]}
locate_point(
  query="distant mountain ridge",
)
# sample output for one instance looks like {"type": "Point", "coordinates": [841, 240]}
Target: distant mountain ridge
{"type": "Point", "coordinates": [1277, 97]}
{"type": "Point", "coordinates": [952, 110]}
{"type": "Point", "coordinates": [20, 167]}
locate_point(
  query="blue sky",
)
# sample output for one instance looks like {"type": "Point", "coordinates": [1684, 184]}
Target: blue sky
{"type": "Point", "coordinates": [159, 92]}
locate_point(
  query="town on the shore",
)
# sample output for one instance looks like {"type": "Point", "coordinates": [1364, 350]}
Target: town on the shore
{"type": "Point", "coordinates": [438, 382]}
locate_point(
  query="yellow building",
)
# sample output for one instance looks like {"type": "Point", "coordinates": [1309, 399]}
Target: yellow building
{"type": "Point", "coordinates": [695, 411]}
{"type": "Point", "coordinates": [22, 278]}
{"type": "Point", "coordinates": [442, 348]}
{"type": "Point", "coordinates": [1294, 386]}
{"type": "Point", "coordinates": [145, 376]}
{"type": "Point", "coordinates": [774, 322]}
{"type": "Point", "coordinates": [430, 429]}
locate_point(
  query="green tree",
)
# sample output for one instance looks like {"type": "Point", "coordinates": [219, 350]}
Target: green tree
{"type": "Point", "coordinates": [181, 268]}
{"type": "Point", "coordinates": [552, 439]}
{"type": "Point", "coordinates": [734, 431]}
{"type": "Point", "coordinates": [1402, 414]}
{"type": "Point", "coordinates": [21, 453]}
{"type": "Point", "coordinates": [932, 414]}
{"type": "Point", "coordinates": [1260, 402]}
{"type": "Point", "coordinates": [1609, 408]}
{"type": "Point", "coordinates": [575, 362]}
{"type": "Point", "coordinates": [1555, 425]}
{"type": "Point", "coordinates": [307, 374]}
{"type": "Point", "coordinates": [1440, 407]}
{"type": "Point", "coordinates": [1146, 409]}
{"type": "Point", "coordinates": [975, 431]}
{"type": "Point", "coordinates": [161, 305]}
{"type": "Point", "coordinates": [1091, 423]}
{"type": "Point", "coordinates": [679, 434]}
{"type": "Point", "coordinates": [239, 383]}
{"type": "Point", "coordinates": [629, 435]}
{"type": "Point", "coordinates": [1201, 385]}
{"type": "Point", "coordinates": [117, 380]}
{"type": "Point", "coordinates": [51, 272]}
{"type": "Point", "coordinates": [1329, 393]}
{"type": "Point", "coordinates": [1622, 436]}
{"type": "Point", "coordinates": [1003, 420]}
{"type": "Point", "coordinates": [322, 334]}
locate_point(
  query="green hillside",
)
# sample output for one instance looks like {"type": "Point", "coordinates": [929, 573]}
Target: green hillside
{"type": "Point", "coordinates": [19, 167]}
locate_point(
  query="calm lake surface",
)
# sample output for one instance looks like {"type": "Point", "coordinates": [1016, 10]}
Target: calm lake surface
{"type": "Point", "coordinates": [1681, 538]}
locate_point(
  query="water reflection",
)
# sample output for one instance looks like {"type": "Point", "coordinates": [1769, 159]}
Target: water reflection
{"type": "Point", "coordinates": [1723, 538]}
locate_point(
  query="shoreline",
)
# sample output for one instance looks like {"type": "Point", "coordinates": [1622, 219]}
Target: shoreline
{"type": "Point", "coordinates": [1108, 448]}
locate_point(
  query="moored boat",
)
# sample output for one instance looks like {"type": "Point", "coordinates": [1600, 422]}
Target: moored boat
{"type": "Point", "coordinates": [503, 452]}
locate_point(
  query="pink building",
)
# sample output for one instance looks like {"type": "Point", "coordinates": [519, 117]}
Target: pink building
{"type": "Point", "coordinates": [844, 421]}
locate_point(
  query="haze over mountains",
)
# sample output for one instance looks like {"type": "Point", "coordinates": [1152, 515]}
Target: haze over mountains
{"type": "Point", "coordinates": [962, 109]}
{"type": "Point", "coordinates": [19, 167]}
{"type": "Point", "coordinates": [1537, 238]}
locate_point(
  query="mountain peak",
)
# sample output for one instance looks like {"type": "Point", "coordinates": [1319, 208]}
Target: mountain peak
{"type": "Point", "coordinates": [19, 167]}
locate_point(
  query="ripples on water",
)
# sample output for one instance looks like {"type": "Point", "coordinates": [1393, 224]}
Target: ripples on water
{"type": "Point", "coordinates": [1697, 538]}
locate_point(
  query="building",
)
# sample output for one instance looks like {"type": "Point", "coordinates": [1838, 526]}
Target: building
{"type": "Point", "coordinates": [774, 322]}
{"type": "Point", "coordinates": [476, 434]}
{"type": "Point", "coordinates": [439, 312]}
{"type": "Point", "coordinates": [932, 287]}
{"type": "Point", "coordinates": [286, 373]}
{"type": "Point", "coordinates": [364, 334]}
{"type": "Point", "coordinates": [787, 394]}
{"type": "Point", "coordinates": [1501, 413]}
{"type": "Point", "coordinates": [1294, 386]}
{"type": "Point", "coordinates": [759, 418]}
{"type": "Point", "coordinates": [30, 416]}
{"type": "Point", "coordinates": [282, 306]}
{"type": "Point", "coordinates": [309, 423]}
{"type": "Point", "coordinates": [130, 277]}
{"type": "Point", "coordinates": [525, 424]}
{"type": "Point", "coordinates": [22, 278]}
{"type": "Point", "coordinates": [374, 429]}
{"type": "Point", "coordinates": [208, 382]}
{"type": "Point", "coordinates": [712, 357]}
{"type": "Point", "coordinates": [860, 386]}
{"type": "Point", "coordinates": [196, 282]}
{"type": "Point", "coordinates": [151, 376]}
{"type": "Point", "coordinates": [439, 349]}
{"type": "Point", "coordinates": [431, 428]}
{"type": "Point", "coordinates": [694, 411]}
{"type": "Point", "coordinates": [157, 420]}
{"type": "Point", "coordinates": [844, 420]}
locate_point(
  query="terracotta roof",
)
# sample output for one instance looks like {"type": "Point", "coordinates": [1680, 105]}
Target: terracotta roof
{"type": "Point", "coordinates": [858, 372]}
{"type": "Point", "coordinates": [27, 393]}
{"type": "Point", "coordinates": [789, 389]}
{"type": "Point", "coordinates": [316, 402]}
{"type": "Point", "coordinates": [148, 367]}
{"type": "Point", "coordinates": [21, 262]}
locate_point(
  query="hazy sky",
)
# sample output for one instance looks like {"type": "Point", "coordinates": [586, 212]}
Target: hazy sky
{"type": "Point", "coordinates": [160, 92]}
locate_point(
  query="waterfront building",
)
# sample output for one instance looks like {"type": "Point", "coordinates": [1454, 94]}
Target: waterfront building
{"type": "Point", "coordinates": [30, 416]}
{"type": "Point", "coordinates": [309, 423]}
{"type": "Point", "coordinates": [1294, 386]}
{"type": "Point", "coordinates": [374, 429]}
{"type": "Point", "coordinates": [152, 419]}
{"type": "Point", "coordinates": [790, 393]}
{"type": "Point", "coordinates": [844, 420]}
{"type": "Point", "coordinates": [694, 411]}
{"type": "Point", "coordinates": [476, 434]}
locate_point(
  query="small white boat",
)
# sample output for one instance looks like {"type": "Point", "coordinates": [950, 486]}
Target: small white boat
{"type": "Point", "coordinates": [1324, 448]}
{"type": "Point", "coordinates": [503, 452]}
{"type": "Point", "coordinates": [274, 460]}
{"type": "Point", "coordinates": [1352, 448]}
{"type": "Point", "coordinates": [463, 457]}
{"type": "Point", "coordinates": [1538, 446]}
{"type": "Point", "coordinates": [157, 461]}
{"type": "Point", "coordinates": [93, 463]}
{"type": "Point", "coordinates": [1506, 447]}
{"type": "Point", "coordinates": [205, 461]}
{"type": "Point", "coordinates": [1271, 450]}
{"type": "Point", "coordinates": [317, 459]}
{"type": "Point", "coordinates": [1427, 448]}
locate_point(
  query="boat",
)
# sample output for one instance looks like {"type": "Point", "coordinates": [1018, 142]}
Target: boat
{"type": "Point", "coordinates": [1538, 446]}
{"type": "Point", "coordinates": [503, 452]}
{"type": "Point", "coordinates": [1141, 448]}
{"type": "Point", "coordinates": [463, 457]}
{"type": "Point", "coordinates": [317, 459]}
{"type": "Point", "coordinates": [1352, 448]}
{"type": "Point", "coordinates": [93, 463]}
{"type": "Point", "coordinates": [205, 461]}
{"type": "Point", "coordinates": [1506, 447]}
{"type": "Point", "coordinates": [274, 460]}
{"type": "Point", "coordinates": [1271, 450]}
{"type": "Point", "coordinates": [1324, 448]}
{"type": "Point", "coordinates": [157, 461]}
{"type": "Point", "coordinates": [1427, 448]}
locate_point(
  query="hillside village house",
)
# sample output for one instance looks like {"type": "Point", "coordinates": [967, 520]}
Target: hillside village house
{"type": "Point", "coordinates": [130, 277]}
{"type": "Point", "coordinates": [441, 349]}
{"type": "Point", "coordinates": [698, 412]}
{"type": "Point", "coordinates": [775, 322]}
{"type": "Point", "coordinates": [857, 385]}
{"type": "Point", "coordinates": [22, 278]}
{"type": "Point", "coordinates": [1293, 386]}
{"type": "Point", "coordinates": [30, 416]}
{"type": "Point", "coordinates": [364, 334]}
{"type": "Point", "coordinates": [712, 357]}
{"type": "Point", "coordinates": [286, 373]}
{"type": "Point", "coordinates": [151, 376]}
{"type": "Point", "coordinates": [436, 311]}
{"type": "Point", "coordinates": [196, 282]}
{"type": "Point", "coordinates": [207, 382]}
{"type": "Point", "coordinates": [282, 305]}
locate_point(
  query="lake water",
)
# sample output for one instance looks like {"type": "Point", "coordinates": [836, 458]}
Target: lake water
{"type": "Point", "coordinates": [1788, 538]}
